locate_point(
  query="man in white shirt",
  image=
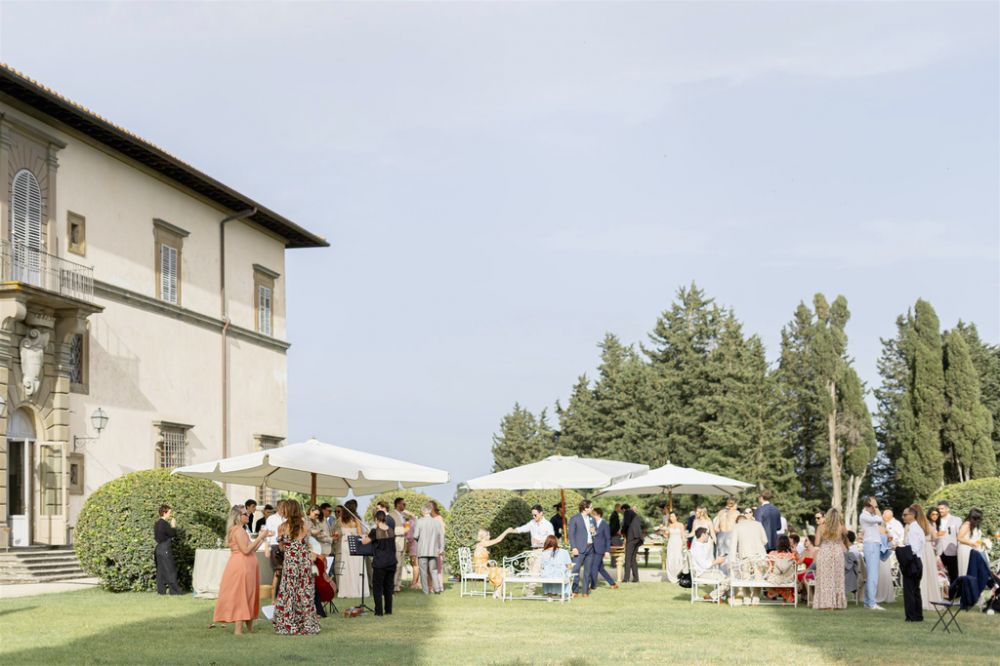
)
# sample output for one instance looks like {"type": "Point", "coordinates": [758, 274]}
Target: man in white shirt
{"type": "Point", "coordinates": [871, 538]}
{"type": "Point", "coordinates": [910, 566]}
{"type": "Point", "coordinates": [893, 529]}
{"type": "Point", "coordinates": [947, 543]}
{"type": "Point", "coordinates": [539, 528]}
{"type": "Point", "coordinates": [271, 550]}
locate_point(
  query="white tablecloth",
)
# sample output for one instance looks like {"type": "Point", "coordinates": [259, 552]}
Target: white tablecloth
{"type": "Point", "coordinates": [209, 563]}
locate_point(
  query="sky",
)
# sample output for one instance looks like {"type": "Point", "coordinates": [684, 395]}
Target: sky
{"type": "Point", "coordinates": [503, 183]}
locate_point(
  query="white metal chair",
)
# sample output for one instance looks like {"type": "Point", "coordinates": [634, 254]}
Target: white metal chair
{"type": "Point", "coordinates": [715, 579]}
{"type": "Point", "coordinates": [467, 573]}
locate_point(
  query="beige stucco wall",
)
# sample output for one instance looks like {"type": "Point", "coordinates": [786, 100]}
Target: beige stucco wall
{"type": "Point", "coordinates": [147, 365]}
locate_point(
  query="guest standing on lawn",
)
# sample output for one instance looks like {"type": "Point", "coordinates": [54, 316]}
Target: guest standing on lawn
{"type": "Point", "coordinates": [632, 529]}
{"type": "Point", "coordinates": [581, 541]}
{"type": "Point", "coordinates": [602, 545]}
{"type": "Point", "coordinates": [676, 537]}
{"type": "Point", "coordinates": [295, 605]}
{"type": "Point", "coordinates": [770, 518]}
{"type": "Point", "coordinates": [166, 571]}
{"type": "Point", "coordinates": [725, 521]}
{"type": "Point", "coordinates": [383, 563]}
{"type": "Point", "coordinates": [430, 544]}
{"type": "Point", "coordinates": [832, 538]}
{"type": "Point", "coordinates": [436, 515]}
{"type": "Point", "coordinates": [871, 540]}
{"type": "Point", "coordinates": [910, 558]}
{"type": "Point", "coordinates": [239, 590]}
{"type": "Point", "coordinates": [947, 543]}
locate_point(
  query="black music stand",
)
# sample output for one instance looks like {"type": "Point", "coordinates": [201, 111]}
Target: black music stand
{"type": "Point", "coordinates": [358, 549]}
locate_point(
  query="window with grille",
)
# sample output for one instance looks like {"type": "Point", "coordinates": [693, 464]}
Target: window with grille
{"type": "Point", "coordinates": [77, 360]}
{"type": "Point", "coordinates": [172, 446]}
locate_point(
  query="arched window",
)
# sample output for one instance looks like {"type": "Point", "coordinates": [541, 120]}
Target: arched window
{"type": "Point", "coordinates": [26, 211]}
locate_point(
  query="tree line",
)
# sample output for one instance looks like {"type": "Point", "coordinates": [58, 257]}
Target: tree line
{"type": "Point", "coordinates": [701, 393]}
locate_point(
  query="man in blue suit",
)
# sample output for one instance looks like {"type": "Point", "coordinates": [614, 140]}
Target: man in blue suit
{"type": "Point", "coordinates": [769, 516]}
{"type": "Point", "coordinates": [602, 544]}
{"type": "Point", "coordinates": [581, 543]}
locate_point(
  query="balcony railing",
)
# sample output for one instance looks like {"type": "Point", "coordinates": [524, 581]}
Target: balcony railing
{"type": "Point", "coordinates": [20, 263]}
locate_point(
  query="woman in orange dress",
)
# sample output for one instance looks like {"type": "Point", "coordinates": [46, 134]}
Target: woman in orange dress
{"type": "Point", "coordinates": [239, 591]}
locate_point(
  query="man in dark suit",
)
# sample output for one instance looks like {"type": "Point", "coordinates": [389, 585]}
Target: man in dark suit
{"type": "Point", "coordinates": [581, 543]}
{"type": "Point", "coordinates": [632, 531]}
{"type": "Point", "coordinates": [557, 521]}
{"type": "Point", "coordinates": [602, 544]}
{"type": "Point", "coordinates": [615, 522]}
{"type": "Point", "coordinates": [769, 516]}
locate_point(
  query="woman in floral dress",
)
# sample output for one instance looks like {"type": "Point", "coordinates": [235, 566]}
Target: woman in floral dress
{"type": "Point", "coordinates": [294, 605]}
{"type": "Point", "coordinates": [832, 542]}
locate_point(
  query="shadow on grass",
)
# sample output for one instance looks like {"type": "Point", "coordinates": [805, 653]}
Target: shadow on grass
{"type": "Point", "coordinates": [182, 634]}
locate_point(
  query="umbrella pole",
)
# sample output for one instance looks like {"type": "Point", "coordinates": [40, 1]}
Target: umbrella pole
{"type": "Point", "coordinates": [312, 499]}
{"type": "Point", "coordinates": [562, 512]}
{"type": "Point", "coordinates": [670, 500]}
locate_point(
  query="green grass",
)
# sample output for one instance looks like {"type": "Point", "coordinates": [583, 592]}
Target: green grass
{"type": "Point", "coordinates": [648, 623]}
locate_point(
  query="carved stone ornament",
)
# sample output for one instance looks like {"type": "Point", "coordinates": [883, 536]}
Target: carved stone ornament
{"type": "Point", "coordinates": [32, 359]}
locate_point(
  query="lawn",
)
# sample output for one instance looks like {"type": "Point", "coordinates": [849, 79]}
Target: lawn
{"type": "Point", "coordinates": [648, 623]}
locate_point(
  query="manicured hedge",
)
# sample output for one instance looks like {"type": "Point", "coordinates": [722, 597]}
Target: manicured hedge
{"type": "Point", "coordinates": [114, 533]}
{"type": "Point", "coordinates": [414, 501]}
{"type": "Point", "coordinates": [982, 494]}
{"type": "Point", "coordinates": [493, 510]}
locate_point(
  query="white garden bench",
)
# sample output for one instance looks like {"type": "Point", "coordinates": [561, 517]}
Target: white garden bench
{"type": "Point", "coordinates": [467, 574]}
{"type": "Point", "coordinates": [517, 572]}
{"type": "Point", "coordinates": [763, 573]}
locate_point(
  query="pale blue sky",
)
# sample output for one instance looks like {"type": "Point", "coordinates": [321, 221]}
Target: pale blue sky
{"type": "Point", "coordinates": [503, 183]}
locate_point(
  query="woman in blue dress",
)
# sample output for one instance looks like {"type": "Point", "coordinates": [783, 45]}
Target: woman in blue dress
{"type": "Point", "coordinates": [555, 563]}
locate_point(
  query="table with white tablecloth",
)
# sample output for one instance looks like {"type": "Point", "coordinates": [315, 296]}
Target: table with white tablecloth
{"type": "Point", "coordinates": [209, 563]}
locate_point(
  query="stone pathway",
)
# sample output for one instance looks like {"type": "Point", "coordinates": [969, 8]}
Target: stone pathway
{"type": "Point", "coordinates": [15, 590]}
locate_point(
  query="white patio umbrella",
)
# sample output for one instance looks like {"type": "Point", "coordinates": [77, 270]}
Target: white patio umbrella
{"type": "Point", "coordinates": [315, 467]}
{"type": "Point", "coordinates": [560, 473]}
{"type": "Point", "coordinates": [672, 479]}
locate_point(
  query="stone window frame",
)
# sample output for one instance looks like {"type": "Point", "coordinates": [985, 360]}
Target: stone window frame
{"type": "Point", "coordinates": [82, 386]}
{"type": "Point", "coordinates": [263, 278]}
{"type": "Point", "coordinates": [80, 222]}
{"type": "Point", "coordinates": [173, 236]}
{"type": "Point", "coordinates": [164, 430]}
{"type": "Point", "coordinates": [263, 494]}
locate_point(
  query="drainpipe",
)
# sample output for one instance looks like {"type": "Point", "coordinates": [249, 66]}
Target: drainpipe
{"type": "Point", "coordinates": [225, 327]}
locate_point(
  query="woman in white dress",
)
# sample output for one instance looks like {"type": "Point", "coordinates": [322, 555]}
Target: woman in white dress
{"type": "Point", "coordinates": [930, 590]}
{"type": "Point", "coordinates": [970, 538]}
{"type": "Point", "coordinates": [348, 567]}
{"type": "Point", "coordinates": [676, 541]}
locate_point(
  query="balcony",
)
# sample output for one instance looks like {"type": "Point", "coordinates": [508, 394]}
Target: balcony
{"type": "Point", "coordinates": [20, 263]}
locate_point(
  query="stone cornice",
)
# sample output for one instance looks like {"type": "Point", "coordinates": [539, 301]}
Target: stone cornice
{"type": "Point", "coordinates": [135, 299]}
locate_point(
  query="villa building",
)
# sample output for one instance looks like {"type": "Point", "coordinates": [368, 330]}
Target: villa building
{"type": "Point", "coordinates": [142, 312]}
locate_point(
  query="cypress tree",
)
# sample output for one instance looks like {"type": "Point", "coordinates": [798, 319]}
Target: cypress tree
{"type": "Point", "coordinates": [895, 414]}
{"type": "Point", "coordinates": [921, 462]}
{"type": "Point", "coordinates": [968, 424]}
{"type": "Point", "coordinates": [986, 359]}
{"type": "Point", "coordinates": [576, 421]}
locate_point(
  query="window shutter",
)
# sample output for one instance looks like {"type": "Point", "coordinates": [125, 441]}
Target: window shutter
{"type": "Point", "coordinates": [26, 210]}
{"type": "Point", "coordinates": [264, 310]}
{"type": "Point", "coordinates": [168, 273]}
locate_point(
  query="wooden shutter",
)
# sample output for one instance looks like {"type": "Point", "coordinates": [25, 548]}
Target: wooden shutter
{"type": "Point", "coordinates": [26, 211]}
{"type": "Point", "coordinates": [168, 273]}
{"type": "Point", "coordinates": [264, 310]}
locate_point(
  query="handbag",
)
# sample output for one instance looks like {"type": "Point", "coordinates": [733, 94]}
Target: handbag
{"type": "Point", "coordinates": [684, 579]}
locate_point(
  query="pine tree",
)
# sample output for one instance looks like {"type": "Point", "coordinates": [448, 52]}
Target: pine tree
{"type": "Point", "coordinates": [968, 424]}
{"type": "Point", "coordinates": [576, 421]}
{"type": "Point", "coordinates": [681, 341]}
{"type": "Point", "coordinates": [522, 439]}
{"type": "Point", "coordinates": [920, 460]}
{"type": "Point", "coordinates": [986, 359]}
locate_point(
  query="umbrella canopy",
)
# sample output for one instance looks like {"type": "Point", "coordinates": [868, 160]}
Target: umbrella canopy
{"type": "Point", "coordinates": [674, 479]}
{"type": "Point", "coordinates": [317, 468]}
{"type": "Point", "coordinates": [560, 472]}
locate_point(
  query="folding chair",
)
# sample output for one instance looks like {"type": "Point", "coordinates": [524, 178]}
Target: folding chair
{"type": "Point", "coordinates": [947, 615]}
